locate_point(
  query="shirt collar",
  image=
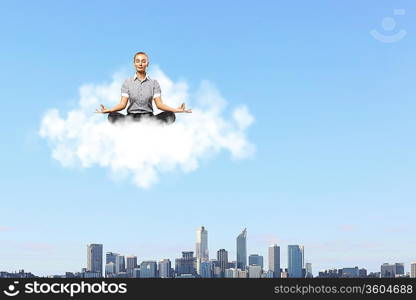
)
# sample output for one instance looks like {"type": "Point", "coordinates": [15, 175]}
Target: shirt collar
{"type": "Point", "coordinates": [135, 77]}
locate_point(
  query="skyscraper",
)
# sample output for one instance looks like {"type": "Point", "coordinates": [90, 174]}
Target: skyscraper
{"type": "Point", "coordinates": [206, 269]}
{"type": "Point", "coordinates": [302, 251]}
{"type": "Point", "coordinates": [274, 260]}
{"type": "Point", "coordinates": [120, 263]}
{"type": "Point", "coordinates": [255, 259]}
{"type": "Point", "coordinates": [242, 250]}
{"type": "Point", "coordinates": [308, 268]}
{"type": "Point", "coordinates": [165, 268]}
{"type": "Point", "coordinates": [186, 264]}
{"type": "Point", "coordinates": [387, 270]}
{"type": "Point", "coordinates": [110, 257]}
{"type": "Point", "coordinates": [222, 257]}
{"type": "Point", "coordinates": [201, 246]}
{"type": "Point", "coordinates": [110, 269]}
{"type": "Point", "coordinates": [131, 265]}
{"type": "Point", "coordinates": [95, 258]}
{"type": "Point", "coordinates": [148, 269]}
{"type": "Point", "coordinates": [295, 260]}
{"type": "Point", "coordinates": [413, 270]}
{"type": "Point", "coordinates": [399, 268]}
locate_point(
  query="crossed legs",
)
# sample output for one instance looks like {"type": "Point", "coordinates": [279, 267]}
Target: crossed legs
{"type": "Point", "coordinates": [166, 117]}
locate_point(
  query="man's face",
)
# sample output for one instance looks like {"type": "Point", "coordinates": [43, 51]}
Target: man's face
{"type": "Point", "coordinates": [141, 62]}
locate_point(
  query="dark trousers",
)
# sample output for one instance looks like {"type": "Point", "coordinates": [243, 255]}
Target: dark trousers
{"type": "Point", "coordinates": [166, 117]}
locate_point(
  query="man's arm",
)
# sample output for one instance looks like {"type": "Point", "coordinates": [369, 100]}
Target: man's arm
{"type": "Point", "coordinates": [122, 105]}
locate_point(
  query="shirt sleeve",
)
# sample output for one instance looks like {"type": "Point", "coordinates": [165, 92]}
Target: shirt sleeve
{"type": "Point", "coordinates": [125, 90]}
{"type": "Point", "coordinates": [156, 89]}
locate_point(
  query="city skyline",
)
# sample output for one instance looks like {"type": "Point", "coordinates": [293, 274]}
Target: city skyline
{"type": "Point", "coordinates": [115, 265]}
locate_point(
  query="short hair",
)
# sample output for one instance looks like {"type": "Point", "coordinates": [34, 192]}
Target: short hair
{"type": "Point", "coordinates": [140, 52]}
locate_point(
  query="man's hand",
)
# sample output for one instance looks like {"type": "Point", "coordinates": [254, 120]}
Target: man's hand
{"type": "Point", "coordinates": [103, 110]}
{"type": "Point", "coordinates": [182, 109]}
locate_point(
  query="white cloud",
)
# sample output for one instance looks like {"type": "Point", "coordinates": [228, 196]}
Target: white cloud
{"type": "Point", "coordinates": [143, 150]}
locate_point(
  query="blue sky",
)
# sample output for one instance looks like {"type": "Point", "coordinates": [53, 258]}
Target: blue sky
{"type": "Point", "coordinates": [334, 129]}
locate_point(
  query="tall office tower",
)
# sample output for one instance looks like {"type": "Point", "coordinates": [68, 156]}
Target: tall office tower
{"type": "Point", "coordinates": [120, 264]}
{"type": "Point", "coordinates": [110, 269]}
{"type": "Point", "coordinates": [302, 250]}
{"type": "Point", "coordinates": [201, 246]}
{"type": "Point", "coordinates": [95, 258]}
{"type": "Point", "coordinates": [362, 273]}
{"type": "Point", "coordinates": [165, 268]}
{"type": "Point", "coordinates": [222, 257]}
{"type": "Point", "coordinates": [413, 270]}
{"type": "Point", "coordinates": [399, 268]}
{"type": "Point", "coordinates": [110, 257]}
{"type": "Point", "coordinates": [387, 271]}
{"type": "Point", "coordinates": [242, 250]}
{"type": "Point", "coordinates": [308, 268]}
{"type": "Point", "coordinates": [206, 269]}
{"type": "Point", "coordinates": [255, 259]}
{"type": "Point", "coordinates": [186, 264]}
{"type": "Point", "coordinates": [274, 260]}
{"type": "Point", "coordinates": [294, 263]}
{"type": "Point", "coordinates": [148, 269]}
{"type": "Point", "coordinates": [136, 273]}
{"type": "Point", "coordinates": [131, 265]}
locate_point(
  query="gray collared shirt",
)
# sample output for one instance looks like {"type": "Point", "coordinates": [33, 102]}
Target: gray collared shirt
{"type": "Point", "coordinates": [140, 93]}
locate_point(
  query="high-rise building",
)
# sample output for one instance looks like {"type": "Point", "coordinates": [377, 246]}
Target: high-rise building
{"type": "Point", "coordinates": [391, 270]}
{"type": "Point", "coordinates": [254, 271]}
{"type": "Point", "coordinates": [206, 269]}
{"type": "Point", "coordinates": [295, 260]}
{"type": "Point", "coordinates": [110, 269]}
{"type": "Point", "coordinates": [131, 265]}
{"type": "Point", "coordinates": [350, 272]}
{"type": "Point", "coordinates": [302, 251]}
{"type": "Point", "coordinates": [95, 258]}
{"type": "Point", "coordinates": [136, 273]}
{"type": "Point", "coordinates": [242, 250]}
{"type": "Point", "coordinates": [308, 267]}
{"type": "Point", "coordinates": [201, 246]}
{"type": "Point", "coordinates": [399, 268]}
{"type": "Point", "coordinates": [222, 257]}
{"type": "Point", "coordinates": [120, 264]}
{"type": "Point", "coordinates": [387, 270]}
{"type": "Point", "coordinates": [110, 257]}
{"type": "Point", "coordinates": [413, 270]}
{"type": "Point", "coordinates": [274, 260]}
{"type": "Point", "coordinates": [165, 268]}
{"type": "Point", "coordinates": [255, 259]}
{"type": "Point", "coordinates": [229, 273]}
{"type": "Point", "coordinates": [186, 264]}
{"type": "Point", "coordinates": [148, 269]}
{"type": "Point", "coordinates": [362, 273]}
